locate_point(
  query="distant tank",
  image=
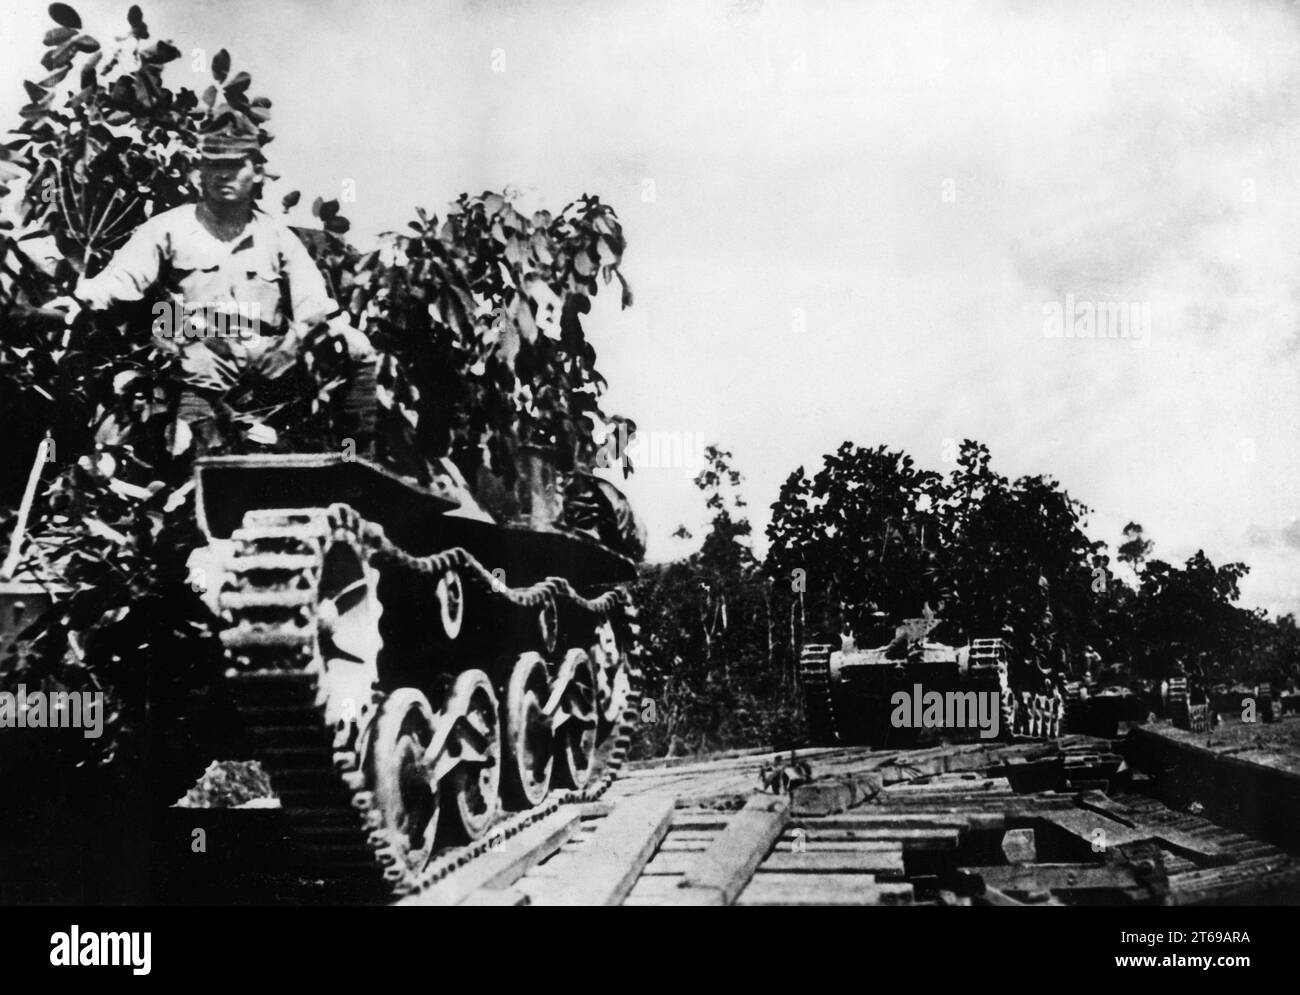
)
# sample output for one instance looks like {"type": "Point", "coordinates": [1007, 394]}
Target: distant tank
{"type": "Point", "coordinates": [1187, 705]}
{"type": "Point", "coordinates": [849, 693]}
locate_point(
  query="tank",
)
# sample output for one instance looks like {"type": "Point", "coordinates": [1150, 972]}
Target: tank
{"type": "Point", "coordinates": [878, 697]}
{"type": "Point", "coordinates": [1187, 705]}
{"type": "Point", "coordinates": [406, 665]}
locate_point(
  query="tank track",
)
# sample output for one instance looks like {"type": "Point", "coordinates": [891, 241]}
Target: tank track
{"type": "Point", "coordinates": [270, 592]}
{"type": "Point", "coordinates": [819, 706]}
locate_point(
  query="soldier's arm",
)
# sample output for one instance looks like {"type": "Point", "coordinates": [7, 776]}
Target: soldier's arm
{"type": "Point", "coordinates": [311, 301]}
{"type": "Point", "coordinates": [129, 275]}
{"type": "Point", "coordinates": [308, 296]}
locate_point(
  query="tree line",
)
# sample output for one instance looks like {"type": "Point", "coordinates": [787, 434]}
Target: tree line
{"type": "Point", "coordinates": [871, 538]}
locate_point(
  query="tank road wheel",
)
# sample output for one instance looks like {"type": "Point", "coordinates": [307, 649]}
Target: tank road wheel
{"type": "Point", "coordinates": [464, 758]}
{"type": "Point", "coordinates": [404, 795]}
{"type": "Point", "coordinates": [451, 603]}
{"type": "Point", "coordinates": [527, 733]}
{"type": "Point", "coordinates": [613, 681]}
{"type": "Point", "coordinates": [347, 640]}
{"type": "Point", "coordinates": [574, 719]}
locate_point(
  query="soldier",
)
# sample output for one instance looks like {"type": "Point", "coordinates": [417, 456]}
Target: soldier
{"type": "Point", "coordinates": [224, 258]}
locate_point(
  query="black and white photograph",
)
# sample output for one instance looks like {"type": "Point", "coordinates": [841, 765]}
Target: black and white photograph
{"type": "Point", "coordinates": [652, 453]}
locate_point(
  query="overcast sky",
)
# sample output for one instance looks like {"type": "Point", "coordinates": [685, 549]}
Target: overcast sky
{"type": "Point", "coordinates": [852, 220]}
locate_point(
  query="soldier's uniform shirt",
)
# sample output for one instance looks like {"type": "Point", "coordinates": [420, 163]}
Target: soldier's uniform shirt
{"type": "Point", "coordinates": [265, 270]}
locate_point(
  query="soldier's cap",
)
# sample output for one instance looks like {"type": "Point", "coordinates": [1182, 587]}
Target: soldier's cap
{"type": "Point", "coordinates": [226, 146]}
{"type": "Point", "coordinates": [229, 137]}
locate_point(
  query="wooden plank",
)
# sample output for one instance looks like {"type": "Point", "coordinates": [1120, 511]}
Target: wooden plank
{"type": "Point", "coordinates": [992, 896]}
{"type": "Point", "coordinates": [823, 889]}
{"type": "Point", "coordinates": [669, 864]}
{"type": "Point", "coordinates": [661, 891]}
{"type": "Point", "coordinates": [1057, 877]}
{"type": "Point", "coordinates": [710, 821]}
{"type": "Point", "coordinates": [492, 897]}
{"type": "Point", "coordinates": [881, 837]}
{"type": "Point", "coordinates": [901, 820]}
{"type": "Point", "coordinates": [732, 858]}
{"type": "Point", "coordinates": [727, 801]}
{"type": "Point", "coordinates": [671, 845]}
{"type": "Point", "coordinates": [680, 897]}
{"type": "Point", "coordinates": [836, 846]}
{"type": "Point", "coordinates": [1084, 824]}
{"type": "Point", "coordinates": [836, 795]}
{"type": "Point", "coordinates": [654, 886]}
{"type": "Point", "coordinates": [954, 789]}
{"type": "Point", "coordinates": [881, 863]}
{"type": "Point", "coordinates": [910, 839]}
{"type": "Point", "coordinates": [499, 868]}
{"type": "Point", "coordinates": [731, 758]}
{"type": "Point", "coordinates": [608, 866]}
{"type": "Point", "coordinates": [1097, 802]}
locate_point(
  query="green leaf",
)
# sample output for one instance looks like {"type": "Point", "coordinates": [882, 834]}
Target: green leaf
{"type": "Point", "coordinates": [57, 36]}
{"type": "Point", "coordinates": [328, 209]}
{"type": "Point", "coordinates": [609, 255]}
{"type": "Point", "coordinates": [238, 85]}
{"type": "Point", "coordinates": [135, 18]}
{"type": "Point", "coordinates": [160, 53]}
{"type": "Point", "coordinates": [221, 65]}
{"type": "Point", "coordinates": [89, 77]}
{"type": "Point", "coordinates": [56, 58]}
{"type": "Point", "coordinates": [291, 199]}
{"type": "Point", "coordinates": [65, 15]}
{"type": "Point", "coordinates": [85, 43]}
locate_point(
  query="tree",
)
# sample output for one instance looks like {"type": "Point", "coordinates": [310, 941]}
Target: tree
{"type": "Point", "coordinates": [857, 540]}
{"type": "Point", "coordinates": [1135, 548]}
{"type": "Point", "coordinates": [873, 538]}
{"type": "Point", "coordinates": [707, 630]}
{"type": "Point", "coordinates": [1015, 559]}
{"type": "Point", "coordinates": [878, 540]}
{"type": "Point", "coordinates": [1185, 618]}
{"type": "Point", "coordinates": [477, 315]}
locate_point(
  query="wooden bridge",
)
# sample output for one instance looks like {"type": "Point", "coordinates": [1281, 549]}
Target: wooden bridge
{"type": "Point", "coordinates": [1056, 823]}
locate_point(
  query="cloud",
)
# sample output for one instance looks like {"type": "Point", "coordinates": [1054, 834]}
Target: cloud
{"type": "Point", "coordinates": [801, 278]}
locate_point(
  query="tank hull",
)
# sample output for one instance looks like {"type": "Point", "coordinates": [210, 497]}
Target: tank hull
{"type": "Point", "coordinates": [917, 693]}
